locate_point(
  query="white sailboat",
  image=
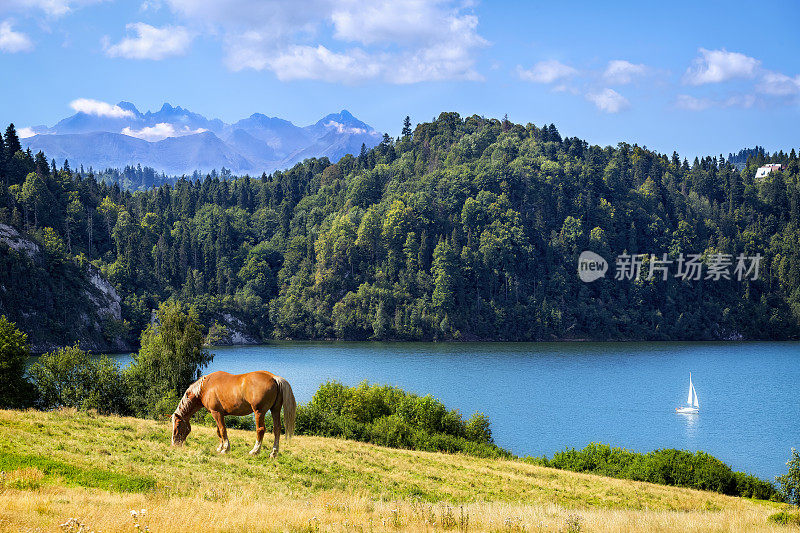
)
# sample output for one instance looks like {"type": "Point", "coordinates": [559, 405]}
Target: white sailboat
{"type": "Point", "coordinates": [693, 406]}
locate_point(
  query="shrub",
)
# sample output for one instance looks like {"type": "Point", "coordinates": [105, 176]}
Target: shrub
{"type": "Point", "coordinates": [389, 416]}
{"type": "Point", "coordinates": [71, 377]}
{"type": "Point", "coordinates": [666, 467]}
{"type": "Point", "coordinates": [392, 431]}
{"type": "Point", "coordinates": [16, 391]}
{"type": "Point", "coordinates": [478, 428]}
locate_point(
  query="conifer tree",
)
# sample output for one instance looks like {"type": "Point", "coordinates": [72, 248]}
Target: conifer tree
{"type": "Point", "coordinates": [12, 142]}
{"type": "Point", "coordinates": [406, 127]}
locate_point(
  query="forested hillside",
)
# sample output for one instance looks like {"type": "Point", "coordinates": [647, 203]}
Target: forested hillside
{"type": "Point", "coordinates": [460, 229]}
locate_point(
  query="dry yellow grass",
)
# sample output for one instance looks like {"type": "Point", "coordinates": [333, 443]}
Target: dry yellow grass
{"type": "Point", "coordinates": [319, 484]}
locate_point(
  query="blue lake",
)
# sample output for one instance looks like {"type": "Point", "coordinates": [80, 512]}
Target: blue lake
{"type": "Point", "coordinates": [542, 397]}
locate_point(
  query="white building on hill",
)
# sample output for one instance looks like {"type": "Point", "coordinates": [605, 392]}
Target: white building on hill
{"type": "Point", "coordinates": [764, 171]}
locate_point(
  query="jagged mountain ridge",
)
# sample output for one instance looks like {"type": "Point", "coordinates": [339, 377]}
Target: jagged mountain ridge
{"type": "Point", "coordinates": [177, 141]}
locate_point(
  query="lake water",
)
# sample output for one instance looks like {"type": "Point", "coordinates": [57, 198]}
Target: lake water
{"type": "Point", "coordinates": [542, 397]}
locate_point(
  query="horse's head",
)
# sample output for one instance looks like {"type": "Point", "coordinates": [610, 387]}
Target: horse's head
{"type": "Point", "coordinates": [180, 429]}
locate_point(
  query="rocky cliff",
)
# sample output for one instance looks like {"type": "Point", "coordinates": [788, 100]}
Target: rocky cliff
{"type": "Point", "coordinates": [57, 301]}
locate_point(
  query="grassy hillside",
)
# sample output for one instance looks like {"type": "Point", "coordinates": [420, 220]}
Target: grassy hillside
{"type": "Point", "coordinates": [95, 469]}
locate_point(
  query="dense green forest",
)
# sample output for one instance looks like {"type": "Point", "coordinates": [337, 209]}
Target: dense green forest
{"type": "Point", "coordinates": [462, 228]}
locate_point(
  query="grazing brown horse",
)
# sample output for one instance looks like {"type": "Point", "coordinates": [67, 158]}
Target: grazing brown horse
{"type": "Point", "coordinates": [241, 394]}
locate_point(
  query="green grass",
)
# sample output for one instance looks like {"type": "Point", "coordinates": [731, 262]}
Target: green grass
{"type": "Point", "coordinates": [785, 518]}
{"type": "Point", "coordinates": [61, 473]}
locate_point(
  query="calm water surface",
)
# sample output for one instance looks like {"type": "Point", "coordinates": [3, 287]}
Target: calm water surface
{"type": "Point", "coordinates": [542, 397]}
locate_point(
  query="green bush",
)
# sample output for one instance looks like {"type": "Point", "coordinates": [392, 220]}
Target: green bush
{"type": "Point", "coordinates": [478, 428]}
{"type": "Point", "coordinates": [71, 377]}
{"type": "Point", "coordinates": [392, 431]}
{"type": "Point", "coordinates": [666, 467]}
{"type": "Point", "coordinates": [16, 391]}
{"type": "Point", "coordinates": [389, 416]}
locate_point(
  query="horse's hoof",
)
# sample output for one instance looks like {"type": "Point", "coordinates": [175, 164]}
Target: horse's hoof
{"type": "Point", "coordinates": [255, 451]}
{"type": "Point", "coordinates": [273, 455]}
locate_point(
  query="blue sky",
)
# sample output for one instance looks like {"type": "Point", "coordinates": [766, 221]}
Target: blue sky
{"type": "Point", "coordinates": [697, 77]}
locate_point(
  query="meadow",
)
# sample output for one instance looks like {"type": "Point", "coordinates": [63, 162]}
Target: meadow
{"type": "Point", "coordinates": [64, 469]}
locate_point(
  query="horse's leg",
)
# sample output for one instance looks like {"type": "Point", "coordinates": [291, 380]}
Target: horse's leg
{"type": "Point", "coordinates": [261, 428]}
{"type": "Point", "coordinates": [276, 428]}
{"type": "Point", "coordinates": [219, 434]}
{"type": "Point", "coordinates": [222, 431]}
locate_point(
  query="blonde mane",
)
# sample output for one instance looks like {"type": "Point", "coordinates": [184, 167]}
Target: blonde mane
{"type": "Point", "coordinates": [185, 403]}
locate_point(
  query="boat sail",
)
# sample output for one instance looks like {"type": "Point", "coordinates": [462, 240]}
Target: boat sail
{"type": "Point", "coordinates": [693, 406]}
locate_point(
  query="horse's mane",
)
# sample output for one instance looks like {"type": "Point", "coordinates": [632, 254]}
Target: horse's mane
{"type": "Point", "coordinates": [185, 403]}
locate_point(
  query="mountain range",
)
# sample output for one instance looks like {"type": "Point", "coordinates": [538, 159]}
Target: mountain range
{"type": "Point", "coordinates": [177, 141]}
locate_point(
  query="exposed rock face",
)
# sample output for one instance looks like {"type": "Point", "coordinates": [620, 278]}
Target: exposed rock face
{"type": "Point", "coordinates": [109, 301]}
{"type": "Point", "coordinates": [16, 241]}
{"type": "Point", "coordinates": [57, 306]}
{"type": "Point", "coordinates": [236, 331]}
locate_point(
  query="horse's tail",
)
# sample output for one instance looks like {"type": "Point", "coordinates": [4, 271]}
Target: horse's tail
{"type": "Point", "coordinates": [289, 405]}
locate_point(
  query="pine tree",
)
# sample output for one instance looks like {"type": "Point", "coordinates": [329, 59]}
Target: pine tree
{"type": "Point", "coordinates": [12, 142]}
{"type": "Point", "coordinates": [42, 166]}
{"type": "Point", "coordinates": [406, 127]}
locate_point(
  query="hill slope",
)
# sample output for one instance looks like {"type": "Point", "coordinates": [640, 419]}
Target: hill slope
{"type": "Point", "coordinates": [466, 229]}
{"type": "Point", "coordinates": [119, 464]}
{"type": "Point", "coordinates": [57, 302]}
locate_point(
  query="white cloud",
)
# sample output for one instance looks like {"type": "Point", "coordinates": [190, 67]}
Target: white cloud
{"type": "Point", "coordinates": [24, 133]}
{"type": "Point", "coordinates": [52, 8]}
{"type": "Point", "coordinates": [565, 88]}
{"type": "Point", "coordinates": [13, 41]}
{"type": "Point", "coordinates": [740, 100]}
{"type": "Point", "coordinates": [343, 128]}
{"type": "Point", "coordinates": [716, 66]}
{"type": "Point", "coordinates": [160, 132]}
{"type": "Point", "coordinates": [396, 42]}
{"type": "Point", "coordinates": [100, 109]}
{"type": "Point", "coordinates": [320, 63]}
{"type": "Point", "coordinates": [150, 5]}
{"type": "Point", "coordinates": [690, 103]}
{"type": "Point", "coordinates": [546, 72]}
{"type": "Point", "coordinates": [622, 72]}
{"type": "Point", "coordinates": [151, 42]}
{"type": "Point", "coordinates": [392, 22]}
{"type": "Point", "coordinates": [778, 84]}
{"type": "Point", "coordinates": [608, 101]}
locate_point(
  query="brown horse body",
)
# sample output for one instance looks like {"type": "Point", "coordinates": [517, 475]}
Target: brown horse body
{"type": "Point", "coordinates": [237, 394]}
